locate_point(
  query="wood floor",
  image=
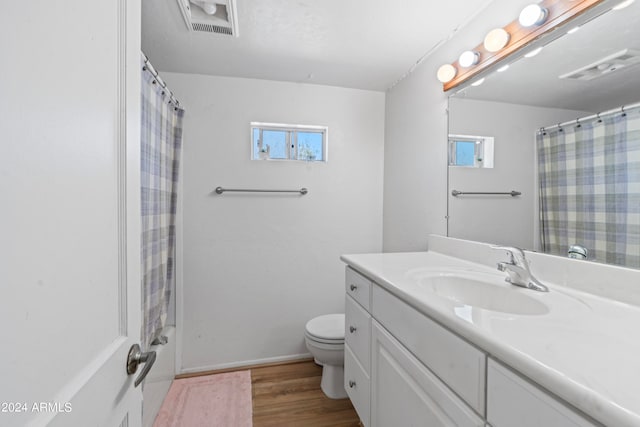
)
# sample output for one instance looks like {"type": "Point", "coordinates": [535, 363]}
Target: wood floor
{"type": "Point", "coordinates": [289, 395]}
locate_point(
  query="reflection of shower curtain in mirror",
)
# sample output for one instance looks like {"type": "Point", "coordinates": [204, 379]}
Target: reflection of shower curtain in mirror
{"type": "Point", "coordinates": [161, 139]}
{"type": "Point", "coordinates": [589, 179]}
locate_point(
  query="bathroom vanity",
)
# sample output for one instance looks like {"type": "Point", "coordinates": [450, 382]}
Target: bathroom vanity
{"type": "Point", "coordinates": [435, 339]}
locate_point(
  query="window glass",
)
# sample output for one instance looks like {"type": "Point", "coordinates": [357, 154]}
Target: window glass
{"type": "Point", "coordinates": [309, 146]}
{"type": "Point", "coordinates": [465, 153]}
{"type": "Point", "coordinates": [255, 137]}
{"type": "Point", "coordinates": [275, 142]}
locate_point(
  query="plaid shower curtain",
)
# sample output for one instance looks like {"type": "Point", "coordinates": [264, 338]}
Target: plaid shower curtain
{"type": "Point", "coordinates": [161, 140]}
{"type": "Point", "coordinates": [589, 179]}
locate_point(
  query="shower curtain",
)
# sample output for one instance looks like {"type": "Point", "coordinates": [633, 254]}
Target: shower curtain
{"type": "Point", "coordinates": [589, 176]}
{"type": "Point", "coordinates": [161, 140]}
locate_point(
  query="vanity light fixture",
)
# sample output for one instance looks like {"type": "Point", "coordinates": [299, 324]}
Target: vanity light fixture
{"type": "Point", "coordinates": [446, 73]}
{"type": "Point", "coordinates": [533, 53]}
{"type": "Point", "coordinates": [622, 5]}
{"type": "Point", "coordinates": [532, 15]}
{"type": "Point", "coordinates": [503, 68]}
{"type": "Point", "coordinates": [478, 83]}
{"type": "Point", "coordinates": [468, 58]}
{"type": "Point", "coordinates": [496, 39]}
{"type": "Point", "coordinates": [535, 22]}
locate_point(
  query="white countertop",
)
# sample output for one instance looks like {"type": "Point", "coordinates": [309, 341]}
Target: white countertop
{"type": "Point", "coordinates": [585, 349]}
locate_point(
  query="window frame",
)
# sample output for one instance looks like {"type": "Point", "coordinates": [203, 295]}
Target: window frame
{"type": "Point", "coordinates": [291, 139]}
{"type": "Point", "coordinates": [483, 149]}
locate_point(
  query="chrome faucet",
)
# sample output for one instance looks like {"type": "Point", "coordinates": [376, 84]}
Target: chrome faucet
{"type": "Point", "coordinates": [518, 270]}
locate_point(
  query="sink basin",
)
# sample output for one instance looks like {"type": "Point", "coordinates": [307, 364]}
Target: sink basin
{"type": "Point", "coordinates": [481, 290]}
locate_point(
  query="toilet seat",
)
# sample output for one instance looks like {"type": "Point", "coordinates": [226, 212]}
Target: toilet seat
{"type": "Point", "coordinates": [327, 329]}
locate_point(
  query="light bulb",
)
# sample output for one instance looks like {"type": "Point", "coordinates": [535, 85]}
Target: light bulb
{"type": "Point", "coordinates": [622, 5]}
{"type": "Point", "coordinates": [468, 58]}
{"type": "Point", "coordinates": [446, 73]}
{"type": "Point", "coordinates": [210, 8]}
{"type": "Point", "coordinates": [532, 15]}
{"type": "Point", "coordinates": [496, 39]}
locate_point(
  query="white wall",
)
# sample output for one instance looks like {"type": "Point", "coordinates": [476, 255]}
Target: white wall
{"type": "Point", "coordinates": [257, 267]}
{"type": "Point", "coordinates": [499, 219]}
{"type": "Point", "coordinates": [415, 184]}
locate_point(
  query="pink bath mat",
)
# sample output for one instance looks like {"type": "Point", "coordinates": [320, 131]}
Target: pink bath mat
{"type": "Point", "coordinates": [220, 400]}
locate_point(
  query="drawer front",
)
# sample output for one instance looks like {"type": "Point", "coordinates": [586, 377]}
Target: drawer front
{"type": "Point", "coordinates": [358, 332]}
{"type": "Point", "coordinates": [456, 362]}
{"type": "Point", "coordinates": [512, 400]}
{"type": "Point", "coordinates": [405, 393]}
{"type": "Point", "coordinates": [359, 288]}
{"type": "Point", "coordinates": [358, 385]}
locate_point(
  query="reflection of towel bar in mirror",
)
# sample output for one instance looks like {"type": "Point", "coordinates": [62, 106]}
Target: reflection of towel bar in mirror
{"type": "Point", "coordinates": [457, 193]}
{"type": "Point", "coordinates": [220, 190]}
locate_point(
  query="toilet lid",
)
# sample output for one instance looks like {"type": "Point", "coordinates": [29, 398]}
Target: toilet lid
{"type": "Point", "coordinates": [327, 327]}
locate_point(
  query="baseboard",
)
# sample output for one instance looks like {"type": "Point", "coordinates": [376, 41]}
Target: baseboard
{"type": "Point", "coordinates": [246, 364]}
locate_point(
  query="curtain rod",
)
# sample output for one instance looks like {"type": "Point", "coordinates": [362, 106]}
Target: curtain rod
{"type": "Point", "coordinates": [149, 67]}
{"type": "Point", "coordinates": [577, 121]}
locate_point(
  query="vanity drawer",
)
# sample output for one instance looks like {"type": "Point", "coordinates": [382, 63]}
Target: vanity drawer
{"type": "Point", "coordinates": [359, 287]}
{"type": "Point", "coordinates": [358, 385]}
{"type": "Point", "coordinates": [358, 331]}
{"type": "Point", "coordinates": [456, 362]}
{"type": "Point", "coordinates": [512, 400]}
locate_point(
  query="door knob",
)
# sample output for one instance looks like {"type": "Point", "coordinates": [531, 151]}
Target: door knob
{"type": "Point", "coordinates": [353, 287]}
{"type": "Point", "coordinates": [135, 358]}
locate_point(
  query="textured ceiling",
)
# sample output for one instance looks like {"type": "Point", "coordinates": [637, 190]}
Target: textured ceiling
{"type": "Point", "coordinates": [350, 43]}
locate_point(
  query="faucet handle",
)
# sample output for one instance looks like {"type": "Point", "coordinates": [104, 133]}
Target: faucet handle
{"type": "Point", "coordinates": [513, 252]}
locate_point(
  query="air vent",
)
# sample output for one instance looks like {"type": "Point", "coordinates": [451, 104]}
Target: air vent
{"type": "Point", "coordinates": [210, 16]}
{"type": "Point", "coordinates": [604, 66]}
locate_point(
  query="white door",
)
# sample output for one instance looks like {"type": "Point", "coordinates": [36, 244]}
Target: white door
{"type": "Point", "coordinates": [69, 195]}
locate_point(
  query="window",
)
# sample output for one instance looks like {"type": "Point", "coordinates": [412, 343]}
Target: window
{"type": "Point", "coordinates": [471, 151]}
{"type": "Point", "coordinates": [271, 141]}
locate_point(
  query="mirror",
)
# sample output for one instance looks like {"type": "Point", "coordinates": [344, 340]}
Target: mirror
{"type": "Point", "coordinates": [572, 80]}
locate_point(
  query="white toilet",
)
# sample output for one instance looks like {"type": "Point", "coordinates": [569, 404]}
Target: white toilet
{"type": "Point", "coordinates": [324, 336]}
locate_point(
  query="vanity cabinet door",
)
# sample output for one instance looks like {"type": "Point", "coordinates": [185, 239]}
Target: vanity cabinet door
{"type": "Point", "coordinates": [459, 364]}
{"type": "Point", "coordinates": [512, 400]}
{"type": "Point", "coordinates": [405, 393]}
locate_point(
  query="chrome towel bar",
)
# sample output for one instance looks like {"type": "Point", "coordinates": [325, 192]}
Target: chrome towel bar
{"type": "Point", "coordinates": [220, 190]}
{"type": "Point", "coordinates": [456, 193]}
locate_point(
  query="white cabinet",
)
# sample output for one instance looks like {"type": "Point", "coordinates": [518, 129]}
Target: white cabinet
{"type": "Point", "coordinates": [404, 369]}
{"type": "Point", "coordinates": [512, 400]}
{"type": "Point", "coordinates": [405, 393]}
{"type": "Point", "coordinates": [357, 343]}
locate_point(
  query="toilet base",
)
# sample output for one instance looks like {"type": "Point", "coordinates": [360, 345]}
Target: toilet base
{"type": "Point", "coordinates": [332, 383]}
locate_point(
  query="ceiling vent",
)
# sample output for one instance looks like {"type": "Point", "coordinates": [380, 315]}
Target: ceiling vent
{"type": "Point", "coordinates": [210, 16]}
{"type": "Point", "coordinates": [604, 66]}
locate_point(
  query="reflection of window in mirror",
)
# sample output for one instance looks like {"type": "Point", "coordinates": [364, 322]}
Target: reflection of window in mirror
{"type": "Point", "coordinates": [471, 151]}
